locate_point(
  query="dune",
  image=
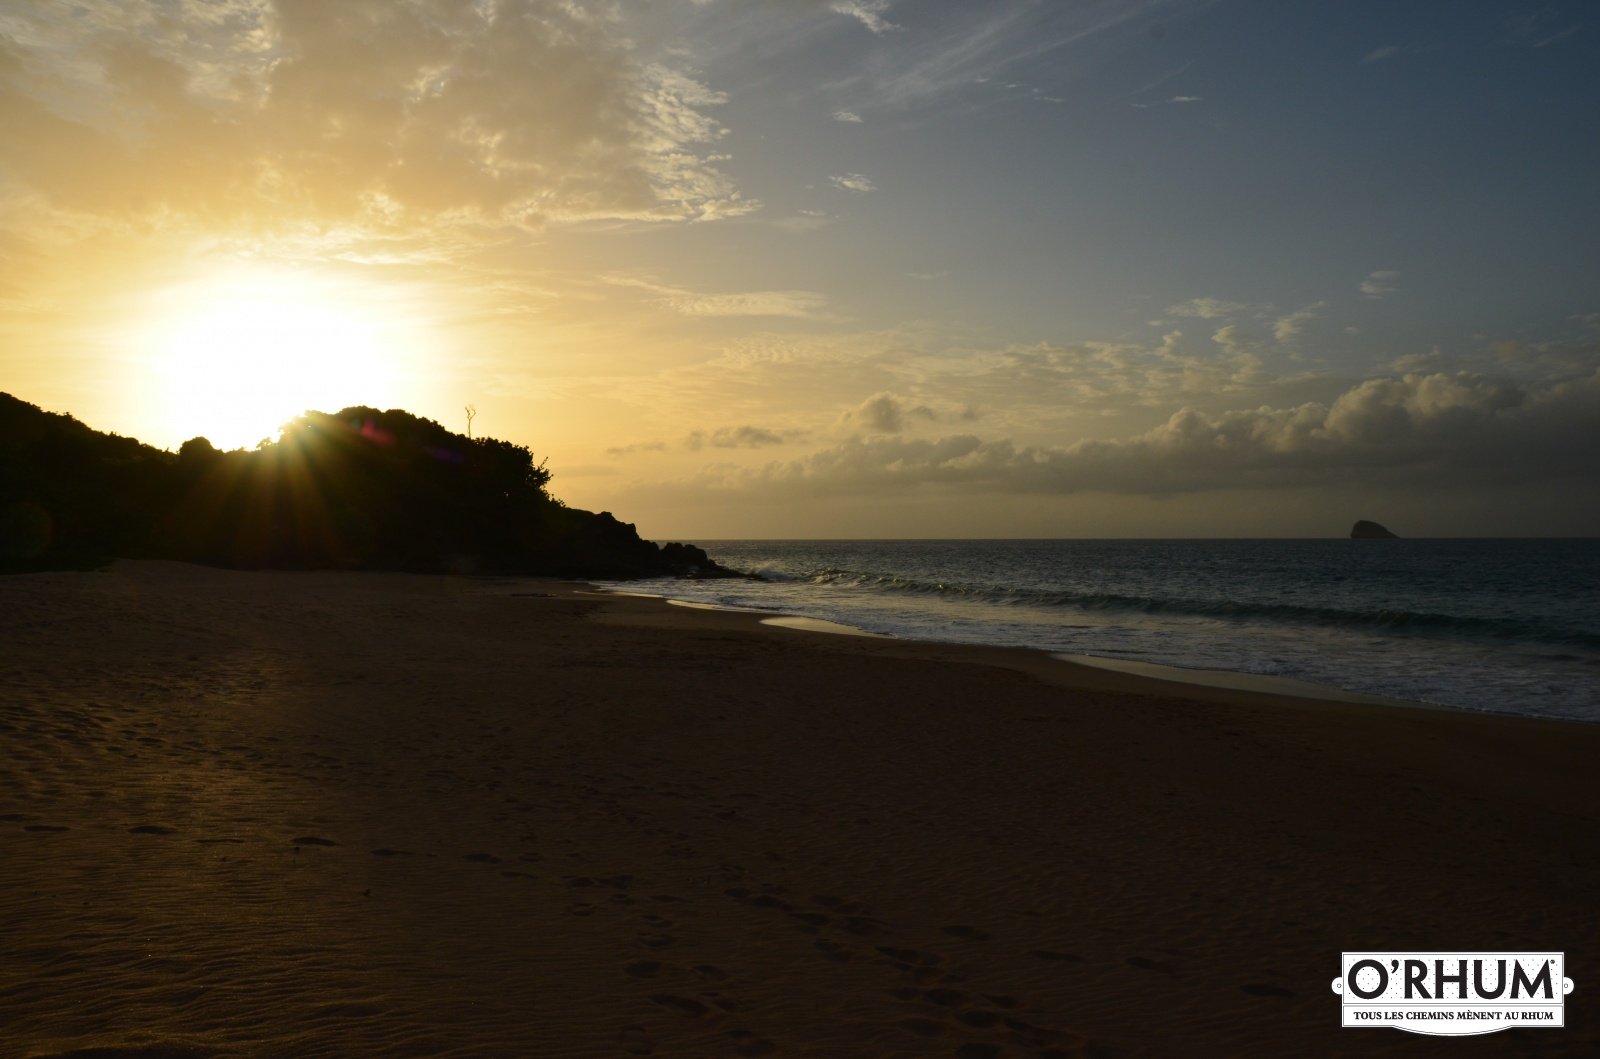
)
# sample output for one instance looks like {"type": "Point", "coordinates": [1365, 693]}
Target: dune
{"type": "Point", "coordinates": [338, 814]}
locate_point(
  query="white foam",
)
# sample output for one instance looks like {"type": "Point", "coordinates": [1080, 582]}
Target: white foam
{"type": "Point", "coordinates": [819, 625]}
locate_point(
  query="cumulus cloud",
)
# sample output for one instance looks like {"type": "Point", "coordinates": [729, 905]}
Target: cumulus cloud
{"type": "Point", "coordinates": [1436, 429]}
{"type": "Point", "coordinates": [884, 413]}
{"type": "Point", "coordinates": [856, 182]}
{"type": "Point", "coordinates": [358, 112]}
{"type": "Point", "coordinates": [1380, 283]}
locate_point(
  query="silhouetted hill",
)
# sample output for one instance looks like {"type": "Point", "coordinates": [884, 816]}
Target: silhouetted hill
{"type": "Point", "coordinates": [358, 489]}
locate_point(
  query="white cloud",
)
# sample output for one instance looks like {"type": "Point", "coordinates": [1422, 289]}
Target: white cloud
{"type": "Point", "coordinates": [856, 182]}
{"type": "Point", "coordinates": [1380, 283]}
{"type": "Point", "coordinates": [1377, 55]}
{"type": "Point", "coordinates": [1287, 328]}
{"type": "Point", "coordinates": [868, 12]}
{"type": "Point", "coordinates": [849, 116]}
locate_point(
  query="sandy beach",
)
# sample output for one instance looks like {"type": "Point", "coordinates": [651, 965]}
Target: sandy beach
{"type": "Point", "coordinates": [280, 814]}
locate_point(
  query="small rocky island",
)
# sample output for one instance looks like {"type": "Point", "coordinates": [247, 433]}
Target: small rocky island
{"type": "Point", "coordinates": [1370, 531]}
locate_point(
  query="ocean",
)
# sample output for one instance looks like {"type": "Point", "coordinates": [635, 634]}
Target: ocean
{"type": "Point", "coordinates": [1506, 626]}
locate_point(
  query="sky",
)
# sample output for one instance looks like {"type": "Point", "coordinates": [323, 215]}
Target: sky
{"type": "Point", "coordinates": [840, 268]}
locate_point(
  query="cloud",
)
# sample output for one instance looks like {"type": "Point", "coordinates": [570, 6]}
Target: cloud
{"type": "Point", "coordinates": [743, 437]}
{"type": "Point", "coordinates": [1380, 283]}
{"type": "Point", "coordinates": [1166, 102]}
{"type": "Point", "coordinates": [1287, 328]}
{"type": "Point", "coordinates": [805, 221]}
{"type": "Point", "coordinates": [971, 45]}
{"type": "Point", "coordinates": [848, 116]}
{"type": "Point", "coordinates": [884, 413]}
{"type": "Point", "coordinates": [868, 12]}
{"type": "Point", "coordinates": [798, 304]}
{"type": "Point", "coordinates": [637, 447]}
{"type": "Point", "coordinates": [362, 112]}
{"type": "Point", "coordinates": [1377, 55]}
{"type": "Point", "coordinates": [1416, 430]}
{"type": "Point", "coordinates": [1206, 308]}
{"type": "Point", "coordinates": [853, 182]}
{"type": "Point", "coordinates": [1536, 28]}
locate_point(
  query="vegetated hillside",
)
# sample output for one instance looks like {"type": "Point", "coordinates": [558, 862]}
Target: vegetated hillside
{"type": "Point", "coordinates": [358, 489]}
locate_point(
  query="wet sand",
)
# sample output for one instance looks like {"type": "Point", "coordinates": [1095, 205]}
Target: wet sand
{"type": "Point", "coordinates": [271, 814]}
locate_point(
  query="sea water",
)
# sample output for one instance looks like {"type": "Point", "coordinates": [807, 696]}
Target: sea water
{"type": "Point", "coordinates": [1508, 626]}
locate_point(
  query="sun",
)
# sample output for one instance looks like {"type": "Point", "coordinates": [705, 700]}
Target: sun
{"type": "Point", "coordinates": [234, 357]}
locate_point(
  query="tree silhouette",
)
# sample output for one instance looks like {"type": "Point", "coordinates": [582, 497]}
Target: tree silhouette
{"type": "Point", "coordinates": [356, 489]}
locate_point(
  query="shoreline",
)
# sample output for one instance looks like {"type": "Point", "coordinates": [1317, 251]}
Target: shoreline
{"type": "Point", "coordinates": [322, 814]}
{"type": "Point", "coordinates": [1161, 677]}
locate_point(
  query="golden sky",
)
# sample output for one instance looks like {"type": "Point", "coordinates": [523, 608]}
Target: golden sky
{"type": "Point", "coordinates": [800, 268]}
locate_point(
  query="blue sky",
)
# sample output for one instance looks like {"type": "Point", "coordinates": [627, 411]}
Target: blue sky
{"type": "Point", "coordinates": [849, 268]}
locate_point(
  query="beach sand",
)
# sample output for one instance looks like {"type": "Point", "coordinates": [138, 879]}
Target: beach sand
{"type": "Point", "coordinates": [280, 814]}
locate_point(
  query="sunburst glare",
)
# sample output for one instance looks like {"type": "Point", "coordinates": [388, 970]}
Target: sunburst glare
{"type": "Point", "coordinates": [233, 357]}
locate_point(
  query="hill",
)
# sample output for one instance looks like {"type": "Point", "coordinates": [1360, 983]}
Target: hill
{"type": "Point", "coordinates": [358, 489]}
